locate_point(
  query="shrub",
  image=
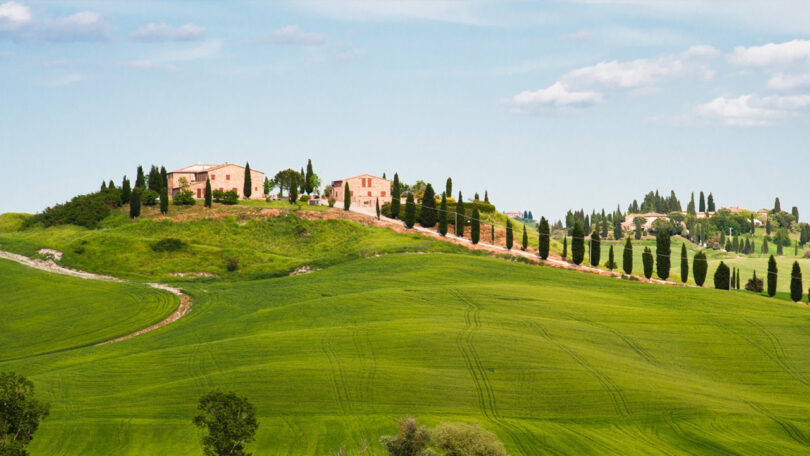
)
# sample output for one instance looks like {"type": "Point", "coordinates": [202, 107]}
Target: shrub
{"type": "Point", "coordinates": [331, 202]}
{"type": "Point", "coordinates": [168, 245]}
{"type": "Point", "coordinates": [647, 261]}
{"type": "Point", "coordinates": [699, 268]}
{"type": "Point", "coordinates": [304, 198]}
{"type": "Point", "coordinates": [218, 195]}
{"type": "Point", "coordinates": [722, 277]}
{"type": "Point", "coordinates": [232, 264]}
{"type": "Point", "coordinates": [755, 284]}
{"type": "Point", "coordinates": [83, 210]}
{"type": "Point", "coordinates": [459, 439]}
{"type": "Point", "coordinates": [184, 198]}
{"type": "Point", "coordinates": [230, 197]}
{"type": "Point", "coordinates": [411, 441]}
{"type": "Point", "coordinates": [578, 244]}
{"type": "Point", "coordinates": [149, 197]}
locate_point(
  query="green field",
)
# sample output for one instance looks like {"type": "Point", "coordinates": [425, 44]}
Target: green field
{"type": "Point", "coordinates": [553, 361]}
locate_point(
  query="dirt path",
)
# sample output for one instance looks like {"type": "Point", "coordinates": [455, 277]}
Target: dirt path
{"type": "Point", "coordinates": [50, 266]}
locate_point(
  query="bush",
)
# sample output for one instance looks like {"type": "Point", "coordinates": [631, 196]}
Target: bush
{"type": "Point", "coordinates": [149, 197]}
{"type": "Point", "coordinates": [304, 198]}
{"type": "Point", "coordinates": [331, 202]}
{"type": "Point", "coordinates": [755, 284]}
{"type": "Point", "coordinates": [83, 210]}
{"type": "Point", "coordinates": [230, 197]}
{"type": "Point", "coordinates": [184, 198]}
{"type": "Point", "coordinates": [722, 277]}
{"type": "Point", "coordinates": [459, 439]}
{"type": "Point", "coordinates": [232, 264]}
{"type": "Point", "coordinates": [168, 245]}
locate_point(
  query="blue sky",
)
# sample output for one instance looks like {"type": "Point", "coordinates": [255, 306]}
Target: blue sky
{"type": "Point", "coordinates": [547, 105]}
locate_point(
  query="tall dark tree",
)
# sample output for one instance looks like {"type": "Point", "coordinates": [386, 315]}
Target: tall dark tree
{"type": "Point", "coordinates": [764, 249]}
{"type": "Point", "coordinates": [293, 197]}
{"type": "Point", "coordinates": [396, 195]}
{"type": "Point", "coordinates": [647, 261]}
{"type": "Point", "coordinates": [154, 182]}
{"type": "Point", "coordinates": [700, 267]}
{"type": "Point", "coordinates": [722, 277]}
{"type": "Point", "coordinates": [208, 195]}
{"type": "Point", "coordinates": [710, 203]}
{"type": "Point", "coordinates": [164, 177]}
{"type": "Point", "coordinates": [565, 247]}
{"type": "Point", "coordinates": [247, 189]}
{"type": "Point", "coordinates": [229, 421]}
{"type": "Point", "coordinates": [662, 252]}
{"type": "Point", "coordinates": [578, 244]}
{"type": "Point", "coordinates": [779, 244]}
{"type": "Point", "coordinates": [627, 258]}
{"type": "Point", "coordinates": [103, 186]}
{"type": "Point", "coordinates": [126, 191]}
{"type": "Point", "coordinates": [796, 289]}
{"type": "Point", "coordinates": [20, 413]}
{"type": "Point", "coordinates": [347, 196]}
{"type": "Point", "coordinates": [486, 196]}
{"type": "Point", "coordinates": [544, 238]}
{"type": "Point", "coordinates": [795, 213]}
{"type": "Point", "coordinates": [617, 228]}
{"type": "Point", "coordinates": [524, 244]}
{"type": "Point", "coordinates": [733, 277]}
{"type": "Point", "coordinates": [410, 211]}
{"type": "Point", "coordinates": [595, 248]}
{"type": "Point", "coordinates": [140, 180]}
{"type": "Point", "coordinates": [427, 216]}
{"type": "Point", "coordinates": [702, 207]}
{"type": "Point", "coordinates": [777, 206]}
{"type": "Point", "coordinates": [509, 234]}
{"type": "Point", "coordinates": [310, 177]}
{"type": "Point", "coordinates": [773, 272]}
{"type": "Point", "coordinates": [461, 216]}
{"type": "Point", "coordinates": [738, 278]}
{"type": "Point", "coordinates": [111, 185]}
{"type": "Point", "coordinates": [378, 208]}
{"type": "Point", "coordinates": [448, 187]}
{"type": "Point", "coordinates": [443, 216]}
{"type": "Point", "coordinates": [684, 264]}
{"type": "Point", "coordinates": [611, 264]}
{"type": "Point", "coordinates": [135, 203]}
{"type": "Point", "coordinates": [475, 226]}
{"type": "Point", "coordinates": [302, 181]}
{"type": "Point", "coordinates": [164, 200]}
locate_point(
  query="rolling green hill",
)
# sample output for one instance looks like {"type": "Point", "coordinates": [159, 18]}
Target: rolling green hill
{"type": "Point", "coordinates": [553, 361]}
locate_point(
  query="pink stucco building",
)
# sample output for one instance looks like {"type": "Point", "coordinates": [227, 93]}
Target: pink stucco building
{"type": "Point", "coordinates": [224, 177]}
{"type": "Point", "coordinates": [365, 189]}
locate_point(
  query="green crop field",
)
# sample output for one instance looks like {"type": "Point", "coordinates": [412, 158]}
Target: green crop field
{"type": "Point", "coordinates": [553, 361]}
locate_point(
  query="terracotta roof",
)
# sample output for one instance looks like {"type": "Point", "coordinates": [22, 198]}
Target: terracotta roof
{"type": "Point", "coordinates": [199, 168]}
{"type": "Point", "coordinates": [362, 175]}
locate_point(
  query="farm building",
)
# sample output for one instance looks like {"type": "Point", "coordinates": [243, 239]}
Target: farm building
{"type": "Point", "coordinates": [224, 177]}
{"type": "Point", "coordinates": [364, 190]}
{"type": "Point", "coordinates": [629, 220]}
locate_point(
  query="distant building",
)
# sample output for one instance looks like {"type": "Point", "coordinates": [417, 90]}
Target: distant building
{"type": "Point", "coordinates": [224, 177]}
{"type": "Point", "coordinates": [513, 214]}
{"type": "Point", "coordinates": [629, 220]}
{"type": "Point", "coordinates": [364, 190]}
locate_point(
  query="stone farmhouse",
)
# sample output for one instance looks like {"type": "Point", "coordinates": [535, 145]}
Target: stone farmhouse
{"type": "Point", "coordinates": [227, 176]}
{"type": "Point", "coordinates": [364, 189]}
{"type": "Point", "coordinates": [629, 220]}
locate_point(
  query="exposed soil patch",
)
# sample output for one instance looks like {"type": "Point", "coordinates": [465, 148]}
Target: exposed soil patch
{"type": "Point", "coordinates": [50, 254]}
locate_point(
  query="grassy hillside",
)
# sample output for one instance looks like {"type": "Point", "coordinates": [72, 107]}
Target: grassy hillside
{"type": "Point", "coordinates": [45, 312]}
{"type": "Point", "coordinates": [553, 361]}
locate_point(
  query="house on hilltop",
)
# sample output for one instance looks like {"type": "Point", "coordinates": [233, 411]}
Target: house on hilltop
{"type": "Point", "coordinates": [629, 220]}
{"type": "Point", "coordinates": [364, 190]}
{"type": "Point", "coordinates": [227, 176]}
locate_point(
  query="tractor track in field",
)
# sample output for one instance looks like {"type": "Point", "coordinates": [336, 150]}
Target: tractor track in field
{"type": "Point", "coordinates": [49, 266]}
{"type": "Point", "coordinates": [337, 375]}
{"type": "Point", "coordinates": [483, 386]}
{"type": "Point", "coordinates": [629, 341]}
{"type": "Point", "coordinates": [365, 350]}
{"type": "Point", "coordinates": [790, 429]}
{"type": "Point", "coordinates": [706, 445]}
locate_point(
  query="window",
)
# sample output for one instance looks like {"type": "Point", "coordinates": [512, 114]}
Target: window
{"type": "Point", "coordinates": [369, 181]}
{"type": "Point", "coordinates": [369, 193]}
{"type": "Point", "coordinates": [351, 193]}
{"type": "Point", "coordinates": [228, 177]}
{"type": "Point", "coordinates": [382, 193]}
{"type": "Point", "coordinates": [255, 189]}
{"type": "Point", "coordinates": [199, 193]}
{"type": "Point", "coordinates": [213, 177]}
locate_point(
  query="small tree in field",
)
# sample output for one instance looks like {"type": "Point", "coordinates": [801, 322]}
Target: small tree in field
{"type": "Point", "coordinates": [699, 268]}
{"type": "Point", "coordinates": [544, 238]}
{"type": "Point", "coordinates": [164, 200]}
{"type": "Point", "coordinates": [247, 189]}
{"type": "Point", "coordinates": [578, 244]}
{"type": "Point", "coordinates": [508, 234]}
{"type": "Point", "coordinates": [448, 187]}
{"type": "Point", "coordinates": [443, 216]}
{"type": "Point", "coordinates": [684, 264]}
{"type": "Point", "coordinates": [611, 263]}
{"type": "Point", "coordinates": [662, 252]}
{"type": "Point", "coordinates": [721, 276]}
{"type": "Point", "coordinates": [595, 248]}
{"type": "Point", "coordinates": [135, 203]}
{"type": "Point", "coordinates": [796, 282]}
{"type": "Point", "coordinates": [627, 258]}
{"type": "Point", "coordinates": [310, 176]}
{"type": "Point", "coordinates": [411, 441]}
{"type": "Point", "coordinates": [427, 216]}
{"type": "Point", "coordinates": [461, 216]}
{"type": "Point", "coordinates": [378, 208]}
{"type": "Point", "coordinates": [267, 186]}
{"type": "Point", "coordinates": [755, 284]}
{"type": "Point", "coordinates": [410, 211]}
{"type": "Point", "coordinates": [208, 195]}
{"type": "Point", "coordinates": [772, 276]}
{"type": "Point", "coordinates": [475, 226]}
{"type": "Point", "coordinates": [229, 421]}
{"type": "Point", "coordinates": [565, 247]}
{"type": "Point", "coordinates": [347, 197]}
{"type": "Point", "coordinates": [126, 191]}
{"type": "Point", "coordinates": [647, 260]}
{"type": "Point", "coordinates": [396, 194]}
{"type": "Point", "coordinates": [293, 197]}
{"type": "Point", "coordinates": [20, 413]}
{"type": "Point", "coordinates": [524, 243]}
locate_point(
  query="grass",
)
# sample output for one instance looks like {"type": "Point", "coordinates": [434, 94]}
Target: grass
{"type": "Point", "coordinates": [553, 361]}
{"type": "Point", "coordinates": [44, 312]}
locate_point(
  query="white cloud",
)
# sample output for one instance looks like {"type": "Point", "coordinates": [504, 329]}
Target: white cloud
{"type": "Point", "coordinates": [752, 110]}
{"type": "Point", "coordinates": [163, 32]}
{"type": "Point", "coordinates": [557, 95]}
{"type": "Point", "coordinates": [66, 79]}
{"type": "Point", "coordinates": [168, 59]}
{"type": "Point", "coordinates": [292, 34]}
{"type": "Point", "coordinates": [13, 16]}
{"type": "Point", "coordinates": [787, 82]}
{"type": "Point", "coordinates": [83, 26]}
{"type": "Point", "coordinates": [768, 55]}
{"type": "Point", "coordinates": [465, 12]}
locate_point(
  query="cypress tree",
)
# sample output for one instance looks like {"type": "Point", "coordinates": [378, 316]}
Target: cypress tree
{"type": "Point", "coordinates": [768, 227]}
{"type": "Point", "coordinates": [208, 193]}
{"type": "Point", "coordinates": [617, 228]}
{"type": "Point", "coordinates": [302, 181]}
{"type": "Point", "coordinates": [796, 282]}
{"type": "Point", "coordinates": [347, 197]}
{"type": "Point", "coordinates": [647, 260]}
{"type": "Point", "coordinates": [266, 186]}
{"type": "Point", "coordinates": [544, 238]}
{"type": "Point", "coordinates": [378, 208]}
{"type": "Point", "coordinates": [772, 276]}
{"type": "Point", "coordinates": [710, 203]}
{"type": "Point", "coordinates": [611, 264]}
{"type": "Point", "coordinates": [684, 264]}
{"type": "Point", "coordinates": [103, 186]}
{"type": "Point", "coordinates": [779, 242]}
{"type": "Point", "coordinates": [135, 203]}
{"type": "Point", "coordinates": [443, 216]}
{"type": "Point", "coordinates": [126, 191]}
{"type": "Point", "coordinates": [777, 206]}
{"type": "Point", "coordinates": [508, 234]}
{"type": "Point", "coordinates": [154, 182]}
{"type": "Point", "coordinates": [410, 211]}
{"type": "Point", "coordinates": [247, 190]}
{"type": "Point", "coordinates": [448, 187]}
{"type": "Point", "coordinates": [164, 200]}
{"type": "Point", "coordinates": [795, 213]}
{"type": "Point", "coordinates": [310, 175]}
{"type": "Point", "coordinates": [164, 177]}
{"type": "Point", "coordinates": [427, 216]}
{"type": "Point", "coordinates": [111, 185]}
{"type": "Point", "coordinates": [721, 277]}
{"type": "Point", "coordinates": [595, 248]}
{"type": "Point", "coordinates": [699, 268]}
{"type": "Point", "coordinates": [662, 252]}
{"type": "Point", "coordinates": [475, 227]}
{"type": "Point", "coordinates": [396, 195]}
{"type": "Point", "coordinates": [294, 190]}
{"type": "Point", "coordinates": [702, 207]}
{"type": "Point", "coordinates": [764, 246]}
{"type": "Point", "coordinates": [461, 219]}
{"type": "Point", "coordinates": [565, 247]}
{"type": "Point", "coordinates": [525, 241]}
{"type": "Point", "coordinates": [738, 278]}
{"type": "Point", "coordinates": [733, 277]}
{"type": "Point", "coordinates": [492, 232]}
{"type": "Point", "coordinates": [140, 181]}
{"type": "Point", "coordinates": [627, 259]}
{"type": "Point", "coordinates": [486, 196]}
{"type": "Point", "coordinates": [578, 244]}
